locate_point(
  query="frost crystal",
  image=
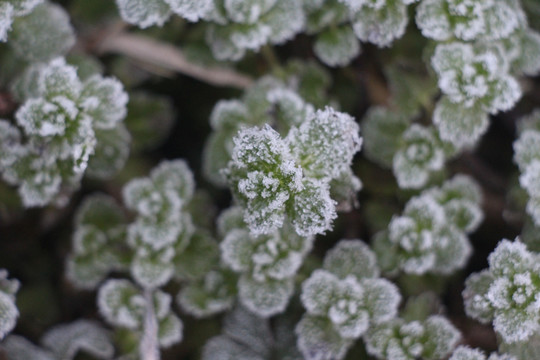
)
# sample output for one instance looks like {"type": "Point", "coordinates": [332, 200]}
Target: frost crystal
{"type": "Point", "coordinates": [475, 76]}
{"type": "Point", "coordinates": [337, 47]}
{"type": "Point", "coordinates": [430, 236]}
{"type": "Point", "coordinates": [8, 309]}
{"type": "Point", "coordinates": [466, 353]}
{"type": "Point", "coordinates": [65, 341]}
{"type": "Point", "coordinates": [527, 156]}
{"type": "Point", "coordinates": [507, 292]}
{"type": "Point", "coordinates": [11, 9]}
{"type": "Point", "coordinates": [144, 13]}
{"type": "Point", "coordinates": [466, 19]}
{"type": "Point", "coordinates": [275, 178]}
{"type": "Point", "coordinates": [342, 306]}
{"type": "Point", "coordinates": [431, 339]}
{"type": "Point", "coordinates": [60, 130]}
{"type": "Point", "coordinates": [267, 263]}
{"type": "Point", "coordinates": [419, 154]}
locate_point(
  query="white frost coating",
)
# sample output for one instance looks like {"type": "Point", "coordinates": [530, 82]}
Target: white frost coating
{"type": "Point", "coordinates": [317, 342]}
{"type": "Point", "coordinates": [380, 22]}
{"type": "Point", "coordinates": [432, 19]}
{"type": "Point", "coordinates": [475, 77]}
{"type": "Point", "coordinates": [66, 341]}
{"type": "Point", "coordinates": [105, 100]}
{"type": "Point", "coordinates": [193, 10]}
{"type": "Point", "coordinates": [228, 113]}
{"type": "Point", "coordinates": [121, 304]}
{"type": "Point", "coordinates": [467, 353]}
{"type": "Point", "coordinates": [265, 298]}
{"type": "Point", "coordinates": [318, 292]}
{"type": "Point", "coordinates": [286, 19]}
{"type": "Point", "coordinates": [247, 12]}
{"type": "Point", "coordinates": [458, 124]}
{"type": "Point", "coordinates": [530, 179]}
{"type": "Point", "coordinates": [8, 314]}
{"type": "Point", "coordinates": [529, 57]}
{"type": "Point", "coordinates": [527, 149]}
{"type": "Point", "coordinates": [382, 299]}
{"type": "Point", "coordinates": [144, 13]}
{"type": "Point", "coordinates": [170, 331]}
{"type": "Point", "coordinates": [18, 348]}
{"type": "Point", "coordinates": [6, 19]}
{"type": "Point", "coordinates": [337, 47]}
{"type": "Point", "coordinates": [251, 37]}
{"type": "Point", "coordinates": [39, 117]}
{"type": "Point", "coordinates": [59, 79]}
{"type": "Point", "coordinates": [418, 156]}
{"type": "Point", "coordinates": [351, 257]}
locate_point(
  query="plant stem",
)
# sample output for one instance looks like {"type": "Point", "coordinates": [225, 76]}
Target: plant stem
{"type": "Point", "coordinates": [149, 348]}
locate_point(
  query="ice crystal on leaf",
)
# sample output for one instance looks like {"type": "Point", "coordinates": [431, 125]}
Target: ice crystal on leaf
{"type": "Point", "coordinates": [476, 76]}
{"type": "Point", "coordinates": [466, 353]}
{"type": "Point", "coordinates": [123, 304]}
{"type": "Point", "coordinates": [507, 293]}
{"type": "Point", "coordinates": [418, 155]}
{"type": "Point", "coordinates": [275, 178]}
{"type": "Point", "coordinates": [144, 13]}
{"type": "Point", "coordinates": [337, 47]}
{"type": "Point", "coordinates": [341, 306]}
{"type": "Point", "coordinates": [8, 309]}
{"type": "Point", "coordinates": [467, 19]}
{"type": "Point", "coordinates": [430, 236]}
{"type": "Point", "coordinates": [60, 117]}
{"type": "Point", "coordinates": [65, 341]}
{"type": "Point", "coordinates": [431, 339]}
{"type": "Point", "coordinates": [527, 156]}
{"type": "Point", "coordinates": [11, 9]}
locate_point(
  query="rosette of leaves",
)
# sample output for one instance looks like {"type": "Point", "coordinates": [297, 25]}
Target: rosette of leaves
{"type": "Point", "coordinates": [343, 300]}
{"type": "Point", "coordinates": [431, 234]}
{"type": "Point", "coordinates": [162, 228]}
{"type": "Point", "coordinates": [11, 9]}
{"type": "Point", "coordinates": [466, 353]}
{"type": "Point", "coordinates": [99, 242]}
{"type": "Point", "coordinates": [443, 20]}
{"type": "Point", "coordinates": [475, 81]}
{"type": "Point", "coordinates": [124, 305]}
{"type": "Point", "coordinates": [63, 342]}
{"type": "Point", "coordinates": [430, 339]}
{"type": "Point", "coordinates": [62, 124]}
{"type": "Point", "coordinates": [507, 292]}
{"type": "Point", "coordinates": [245, 336]}
{"type": "Point", "coordinates": [379, 22]}
{"type": "Point", "coordinates": [268, 101]}
{"type": "Point", "coordinates": [527, 156]}
{"type": "Point", "coordinates": [248, 25]}
{"type": "Point", "coordinates": [8, 309]}
{"type": "Point", "coordinates": [267, 263]}
{"type": "Point", "coordinates": [275, 178]}
{"type": "Point", "coordinates": [420, 153]}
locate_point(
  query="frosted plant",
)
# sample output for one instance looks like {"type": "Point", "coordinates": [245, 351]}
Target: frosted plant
{"type": "Point", "coordinates": [343, 300]}
{"type": "Point", "coordinates": [475, 81]}
{"type": "Point", "coordinates": [472, 75]}
{"type": "Point", "coordinates": [18, 348]}
{"type": "Point", "coordinates": [65, 341]}
{"type": "Point", "coordinates": [419, 154]}
{"type": "Point", "coordinates": [379, 22]}
{"type": "Point", "coordinates": [162, 228]}
{"type": "Point", "coordinates": [431, 339]}
{"type": "Point", "coordinates": [43, 34]}
{"type": "Point", "coordinates": [275, 178]}
{"type": "Point", "coordinates": [466, 353]}
{"type": "Point", "coordinates": [98, 242]}
{"type": "Point", "coordinates": [267, 263]}
{"type": "Point", "coordinates": [430, 236]}
{"type": "Point", "coordinates": [11, 9]}
{"type": "Point", "coordinates": [123, 304]}
{"type": "Point", "coordinates": [527, 156]}
{"type": "Point", "coordinates": [59, 127]}
{"type": "Point", "coordinates": [8, 309]}
{"type": "Point", "coordinates": [244, 25]}
{"type": "Point", "coordinates": [468, 19]}
{"type": "Point", "coordinates": [507, 293]}
{"type": "Point", "coordinates": [268, 101]}
{"type": "Point", "coordinates": [246, 336]}
{"type": "Point", "coordinates": [144, 13]}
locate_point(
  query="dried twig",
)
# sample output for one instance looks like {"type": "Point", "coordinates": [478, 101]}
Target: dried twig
{"type": "Point", "coordinates": [147, 50]}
